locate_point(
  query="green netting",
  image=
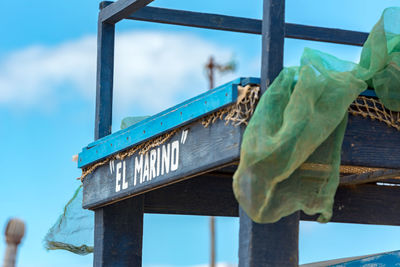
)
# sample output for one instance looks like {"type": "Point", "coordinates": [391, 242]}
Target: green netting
{"type": "Point", "coordinates": [73, 230]}
{"type": "Point", "coordinates": [302, 118]}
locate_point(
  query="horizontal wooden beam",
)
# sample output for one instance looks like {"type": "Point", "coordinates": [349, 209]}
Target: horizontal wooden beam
{"type": "Point", "coordinates": [114, 12]}
{"type": "Point", "coordinates": [368, 177]}
{"type": "Point", "coordinates": [245, 25]}
{"type": "Point", "coordinates": [209, 194]}
{"type": "Point", "coordinates": [370, 143]}
{"type": "Point", "coordinates": [197, 20]}
{"type": "Point", "coordinates": [212, 195]}
{"type": "Point", "coordinates": [321, 34]}
{"type": "Point", "coordinates": [366, 204]}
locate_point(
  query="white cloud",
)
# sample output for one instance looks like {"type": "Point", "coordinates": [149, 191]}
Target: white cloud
{"type": "Point", "coordinates": [29, 76]}
{"type": "Point", "coordinates": [153, 70]}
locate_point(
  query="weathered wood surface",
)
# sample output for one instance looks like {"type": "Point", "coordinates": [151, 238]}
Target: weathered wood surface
{"type": "Point", "coordinates": [118, 234]}
{"type": "Point", "coordinates": [192, 150]}
{"type": "Point", "coordinates": [211, 194]}
{"type": "Point", "coordinates": [371, 144]}
{"type": "Point", "coordinates": [121, 9]}
{"type": "Point", "coordinates": [262, 244]}
{"type": "Point", "coordinates": [246, 25]}
{"type": "Point", "coordinates": [368, 177]}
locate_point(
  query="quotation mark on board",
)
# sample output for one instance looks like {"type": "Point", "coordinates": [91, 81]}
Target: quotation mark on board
{"type": "Point", "coordinates": [112, 166]}
{"type": "Point", "coordinates": [184, 136]}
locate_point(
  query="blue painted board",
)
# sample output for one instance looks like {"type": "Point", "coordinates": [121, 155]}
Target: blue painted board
{"type": "Point", "coordinates": [384, 260]}
{"type": "Point", "coordinates": [167, 120]}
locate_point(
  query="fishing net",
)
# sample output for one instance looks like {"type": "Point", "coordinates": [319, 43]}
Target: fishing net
{"type": "Point", "coordinates": [302, 118]}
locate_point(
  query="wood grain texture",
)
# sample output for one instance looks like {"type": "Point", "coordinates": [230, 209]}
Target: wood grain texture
{"type": "Point", "coordinates": [368, 177]}
{"type": "Point", "coordinates": [118, 234]}
{"type": "Point", "coordinates": [371, 144]}
{"type": "Point", "coordinates": [211, 194]}
{"type": "Point", "coordinates": [200, 149]}
{"type": "Point", "coordinates": [262, 244]}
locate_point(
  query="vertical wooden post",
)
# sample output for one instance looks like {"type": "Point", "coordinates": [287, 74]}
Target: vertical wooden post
{"type": "Point", "coordinates": [118, 234]}
{"type": "Point", "coordinates": [118, 227]}
{"type": "Point", "coordinates": [273, 35]}
{"type": "Point", "coordinates": [270, 244]}
{"type": "Point", "coordinates": [266, 245]}
{"type": "Point", "coordinates": [104, 77]}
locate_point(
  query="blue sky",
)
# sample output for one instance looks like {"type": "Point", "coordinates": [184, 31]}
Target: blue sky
{"type": "Point", "coordinates": [47, 85]}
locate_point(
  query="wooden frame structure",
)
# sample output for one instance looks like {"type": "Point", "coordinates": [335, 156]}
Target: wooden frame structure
{"type": "Point", "coordinates": [119, 194]}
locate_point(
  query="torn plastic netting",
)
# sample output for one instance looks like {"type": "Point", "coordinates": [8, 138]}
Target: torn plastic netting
{"type": "Point", "coordinates": [302, 118]}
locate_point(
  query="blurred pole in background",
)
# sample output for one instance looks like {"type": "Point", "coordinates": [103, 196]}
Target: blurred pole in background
{"type": "Point", "coordinates": [210, 67]}
{"type": "Point", "coordinates": [15, 230]}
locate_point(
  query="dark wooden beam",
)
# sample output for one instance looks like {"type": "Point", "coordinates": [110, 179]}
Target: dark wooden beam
{"type": "Point", "coordinates": [197, 20]}
{"type": "Point", "coordinates": [261, 244]}
{"type": "Point", "coordinates": [209, 194]}
{"type": "Point", "coordinates": [212, 194]}
{"type": "Point", "coordinates": [118, 227]}
{"type": "Point", "coordinates": [245, 25]}
{"type": "Point", "coordinates": [369, 177]}
{"type": "Point", "coordinates": [272, 43]}
{"type": "Point", "coordinates": [366, 204]}
{"type": "Point", "coordinates": [321, 34]}
{"type": "Point", "coordinates": [282, 246]}
{"type": "Point", "coordinates": [118, 234]}
{"type": "Point", "coordinates": [104, 79]}
{"type": "Point", "coordinates": [121, 9]}
{"type": "Point", "coordinates": [370, 143]}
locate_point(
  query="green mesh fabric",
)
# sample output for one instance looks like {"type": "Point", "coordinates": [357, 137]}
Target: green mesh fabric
{"type": "Point", "coordinates": [302, 118]}
{"type": "Point", "coordinates": [73, 230]}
